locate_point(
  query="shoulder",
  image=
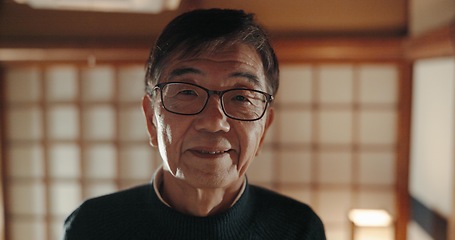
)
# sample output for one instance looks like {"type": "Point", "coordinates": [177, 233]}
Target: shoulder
{"type": "Point", "coordinates": [278, 212]}
{"type": "Point", "coordinates": [130, 197]}
{"type": "Point", "coordinates": [99, 212]}
{"type": "Point", "coordinates": [268, 197]}
{"type": "Point", "coordinates": [134, 194]}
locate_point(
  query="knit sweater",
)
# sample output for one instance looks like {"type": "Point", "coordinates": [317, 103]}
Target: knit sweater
{"type": "Point", "coordinates": [138, 213]}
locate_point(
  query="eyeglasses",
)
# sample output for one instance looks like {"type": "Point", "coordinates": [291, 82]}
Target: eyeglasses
{"type": "Point", "coordinates": [191, 99]}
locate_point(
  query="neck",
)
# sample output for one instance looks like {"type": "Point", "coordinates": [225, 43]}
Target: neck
{"type": "Point", "coordinates": [198, 201]}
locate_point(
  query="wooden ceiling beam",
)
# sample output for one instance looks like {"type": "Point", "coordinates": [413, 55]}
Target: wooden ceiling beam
{"type": "Point", "coordinates": [437, 43]}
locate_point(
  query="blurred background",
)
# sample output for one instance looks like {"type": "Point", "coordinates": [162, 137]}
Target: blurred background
{"type": "Point", "coordinates": [364, 131]}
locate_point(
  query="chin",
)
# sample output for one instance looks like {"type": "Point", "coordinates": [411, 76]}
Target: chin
{"type": "Point", "coordinates": [211, 181]}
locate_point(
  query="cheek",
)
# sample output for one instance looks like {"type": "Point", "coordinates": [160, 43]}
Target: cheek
{"type": "Point", "coordinates": [170, 132]}
{"type": "Point", "coordinates": [167, 127]}
{"type": "Point", "coordinates": [165, 137]}
{"type": "Point", "coordinates": [163, 131]}
{"type": "Point", "coordinates": [249, 143]}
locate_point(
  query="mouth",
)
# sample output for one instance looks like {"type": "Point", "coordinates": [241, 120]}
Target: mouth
{"type": "Point", "coordinates": [213, 153]}
{"type": "Point", "coordinates": [209, 153]}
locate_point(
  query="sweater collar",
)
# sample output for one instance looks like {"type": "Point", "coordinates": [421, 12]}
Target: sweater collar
{"type": "Point", "coordinates": [231, 224]}
{"type": "Point", "coordinates": [158, 180]}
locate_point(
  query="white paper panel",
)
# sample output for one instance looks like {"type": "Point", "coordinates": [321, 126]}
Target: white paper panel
{"type": "Point", "coordinates": [132, 124]}
{"type": "Point", "coordinates": [100, 162]}
{"type": "Point", "coordinates": [26, 161]}
{"type": "Point", "coordinates": [295, 127]}
{"type": "Point", "coordinates": [131, 84]}
{"type": "Point", "coordinates": [336, 84]}
{"type": "Point", "coordinates": [61, 83]}
{"type": "Point", "coordinates": [64, 161]}
{"type": "Point", "coordinates": [137, 162]}
{"type": "Point", "coordinates": [23, 84]}
{"type": "Point", "coordinates": [25, 124]}
{"type": "Point", "coordinates": [98, 83]}
{"type": "Point", "coordinates": [64, 197]}
{"type": "Point", "coordinates": [27, 198]}
{"type": "Point", "coordinates": [378, 84]}
{"type": "Point", "coordinates": [295, 84]}
{"type": "Point", "coordinates": [28, 229]}
{"type": "Point", "coordinates": [63, 122]}
{"type": "Point", "coordinates": [99, 123]}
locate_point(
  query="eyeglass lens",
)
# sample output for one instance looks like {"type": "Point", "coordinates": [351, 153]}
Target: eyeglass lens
{"type": "Point", "coordinates": [189, 99]}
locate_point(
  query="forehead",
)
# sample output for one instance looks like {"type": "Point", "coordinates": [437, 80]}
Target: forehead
{"type": "Point", "coordinates": [238, 62]}
{"type": "Point", "coordinates": [236, 53]}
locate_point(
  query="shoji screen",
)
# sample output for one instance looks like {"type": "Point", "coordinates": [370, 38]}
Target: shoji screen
{"type": "Point", "coordinates": [72, 132]}
{"type": "Point", "coordinates": [334, 144]}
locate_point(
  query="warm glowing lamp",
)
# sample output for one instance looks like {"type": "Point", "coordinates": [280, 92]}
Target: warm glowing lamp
{"type": "Point", "coordinates": [371, 224]}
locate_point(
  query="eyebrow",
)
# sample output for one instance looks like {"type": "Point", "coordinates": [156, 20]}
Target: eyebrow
{"type": "Point", "coordinates": [182, 71]}
{"type": "Point", "coordinates": [250, 77]}
{"type": "Point", "coordinates": [189, 70]}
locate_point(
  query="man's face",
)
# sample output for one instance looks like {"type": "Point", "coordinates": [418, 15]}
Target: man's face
{"type": "Point", "coordinates": [209, 150]}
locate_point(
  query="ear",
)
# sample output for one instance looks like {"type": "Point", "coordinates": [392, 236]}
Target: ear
{"type": "Point", "coordinates": [147, 107]}
{"type": "Point", "coordinates": [268, 121]}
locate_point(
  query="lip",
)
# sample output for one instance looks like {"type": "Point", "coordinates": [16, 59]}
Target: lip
{"type": "Point", "coordinates": [209, 153]}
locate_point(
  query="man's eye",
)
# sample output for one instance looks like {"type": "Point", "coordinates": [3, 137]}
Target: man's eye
{"type": "Point", "coordinates": [188, 92]}
{"type": "Point", "coordinates": [241, 98]}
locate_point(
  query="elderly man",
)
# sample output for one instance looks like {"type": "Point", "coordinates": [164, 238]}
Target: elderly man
{"type": "Point", "coordinates": [210, 82]}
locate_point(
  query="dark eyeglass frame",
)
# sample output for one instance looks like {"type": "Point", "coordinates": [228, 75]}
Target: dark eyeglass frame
{"type": "Point", "coordinates": [268, 99]}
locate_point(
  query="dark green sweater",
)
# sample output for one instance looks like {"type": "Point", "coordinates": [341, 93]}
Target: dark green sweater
{"type": "Point", "coordinates": [138, 213]}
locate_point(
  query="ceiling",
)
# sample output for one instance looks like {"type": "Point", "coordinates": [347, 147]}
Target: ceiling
{"type": "Point", "coordinates": [21, 25]}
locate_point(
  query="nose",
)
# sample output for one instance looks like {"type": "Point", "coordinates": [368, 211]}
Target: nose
{"type": "Point", "coordinates": [212, 118]}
